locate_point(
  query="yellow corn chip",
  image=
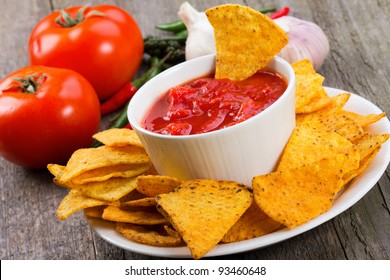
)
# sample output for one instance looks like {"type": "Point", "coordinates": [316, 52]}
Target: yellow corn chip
{"type": "Point", "coordinates": [75, 201]}
{"type": "Point", "coordinates": [370, 142]}
{"type": "Point", "coordinates": [311, 142]}
{"type": "Point", "coordinates": [154, 236]}
{"type": "Point", "coordinates": [89, 159]}
{"type": "Point", "coordinates": [144, 217]}
{"type": "Point", "coordinates": [118, 137]}
{"type": "Point", "coordinates": [309, 93]}
{"type": "Point", "coordinates": [142, 202]}
{"type": "Point", "coordinates": [107, 172]}
{"type": "Point", "coordinates": [335, 105]}
{"type": "Point", "coordinates": [319, 101]}
{"type": "Point", "coordinates": [337, 102]}
{"type": "Point", "coordinates": [364, 120]}
{"type": "Point", "coordinates": [303, 67]}
{"type": "Point", "coordinates": [202, 211]}
{"type": "Point", "coordinates": [134, 195]}
{"type": "Point", "coordinates": [110, 190]}
{"type": "Point", "coordinates": [295, 196]}
{"type": "Point", "coordinates": [94, 212]}
{"type": "Point", "coordinates": [57, 170]}
{"type": "Point", "coordinates": [152, 185]}
{"type": "Point", "coordinates": [253, 223]}
{"type": "Point", "coordinates": [363, 165]}
{"type": "Point", "coordinates": [246, 40]}
{"type": "Point", "coordinates": [343, 125]}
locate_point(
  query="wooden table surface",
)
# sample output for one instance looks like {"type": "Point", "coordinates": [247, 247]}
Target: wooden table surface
{"type": "Point", "coordinates": [358, 62]}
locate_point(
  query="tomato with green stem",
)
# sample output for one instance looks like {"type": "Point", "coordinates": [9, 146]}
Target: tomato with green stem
{"type": "Point", "coordinates": [45, 115]}
{"type": "Point", "coordinates": [103, 43]}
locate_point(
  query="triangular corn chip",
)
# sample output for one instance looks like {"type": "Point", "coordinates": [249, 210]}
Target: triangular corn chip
{"type": "Point", "coordinates": [246, 40]}
{"type": "Point", "coordinates": [152, 185]}
{"type": "Point", "coordinates": [75, 201]}
{"type": "Point", "coordinates": [160, 236]}
{"type": "Point", "coordinates": [141, 217]}
{"type": "Point", "coordinates": [118, 137]}
{"type": "Point", "coordinates": [253, 223]}
{"type": "Point", "coordinates": [310, 142]}
{"type": "Point", "coordinates": [202, 211]}
{"type": "Point", "coordinates": [109, 190]}
{"type": "Point", "coordinates": [295, 196]}
{"type": "Point", "coordinates": [309, 93]}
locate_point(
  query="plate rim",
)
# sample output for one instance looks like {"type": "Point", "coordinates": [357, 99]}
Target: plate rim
{"type": "Point", "coordinates": [106, 230]}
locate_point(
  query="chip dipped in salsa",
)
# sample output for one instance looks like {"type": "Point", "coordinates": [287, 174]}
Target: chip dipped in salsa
{"type": "Point", "coordinates": [207, 104]}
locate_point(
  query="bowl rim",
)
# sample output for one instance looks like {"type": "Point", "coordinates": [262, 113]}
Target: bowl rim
{"type": "Point", "coordinates": [137, 126]}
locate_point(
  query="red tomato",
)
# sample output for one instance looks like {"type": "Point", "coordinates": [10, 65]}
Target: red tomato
{"type": "Point", "coordinates": [55, 112]}
{"type": "Point", "coordinates": [105, 45]}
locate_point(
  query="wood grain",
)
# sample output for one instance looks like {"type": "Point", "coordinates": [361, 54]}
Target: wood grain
{"type": "Point", "coordinates": [359, 34]}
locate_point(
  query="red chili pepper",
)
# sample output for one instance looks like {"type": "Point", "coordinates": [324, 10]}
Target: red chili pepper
{"type": "Point", "coordinates": [280, 13]}
{"type": "Point", "coordinates": [118, 99]}
{"type": "Point", "coordinates": [128, 126]}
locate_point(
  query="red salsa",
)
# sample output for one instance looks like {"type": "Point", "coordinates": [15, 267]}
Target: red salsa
{"type": "Point", "coordinates": [207, 104]}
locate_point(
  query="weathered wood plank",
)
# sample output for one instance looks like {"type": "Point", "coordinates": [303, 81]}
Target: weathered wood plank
{"type": "Point", "coordinates": [28, 198]}
{"type": "Point", "coordinates": [358, 235]}
{"type": "Point", "coordinates": [357, 63]}
{"type": "Point", "coordinates": [14, 33]}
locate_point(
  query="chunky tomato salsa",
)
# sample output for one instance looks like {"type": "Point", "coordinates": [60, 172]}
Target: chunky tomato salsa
{"type": "Point", "coordinates": [207, 104]}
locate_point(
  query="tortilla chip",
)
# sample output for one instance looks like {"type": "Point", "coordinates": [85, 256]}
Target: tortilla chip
{"type": "Point", "coordinates": [142, 202]}
{"type": "Point", "coordinates": [337, 102]}
{"type": "Point", "coordinates": [202, 211]}
{"type": "Point", "coordinates": [144, 217]}
{"type": "Point", "coordinates": [246, 40]}
{"type": "Point", "coordinates": [364, 120]}
{"type": "Point", "coordinates": [154, 236]}
{"type": "Point", "coordinates": [253, 223]}
{"type": "Point", "coordinates": [152, 185]}
{"type": "Point", "coordinates": [295, 196]}
{"type": "Point", "coordinates": [343, 125]}
{"type": "Point", "coordinates": [370, 142]}
{"type": "Point", "coordinates": [57, 170]}
{"type": "Point", "coordinates": [335, 119]}
{"type": "Point", "coordinates": [307, 89]}
{"type": "Point", "coordinates": [88, 159]}
{"type": "Point", "coordinates": [310, 142]}
{"type": "Point", "coordinates": [303, 67]}
{"type": "Point", "coordinates": [75, 201]}
{"type": "Point", "coordinates": [110, 190]}
{"type": "Point", "coordinates": [363, 165]}
{"type": "Point", "coordinates": [118, 137]}
{"type": "Point", "coordinates": [94, 212]}
{"type": "Point", "coordinates": [335, 105]}
{"type": "Point", "coordinates": [309, 93]}
{"type": "Point", "coordinates": [107, 172]}
{"type": "Point", "coordinates": [318, 102]}
{"type": "Point", "coordinates": [134, 195]}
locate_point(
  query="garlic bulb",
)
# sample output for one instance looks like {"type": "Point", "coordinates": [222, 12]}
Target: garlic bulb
{"type": "Point", "coordinates": [305, 40]}
{"type": "Point", "coordinates": [200, 40]}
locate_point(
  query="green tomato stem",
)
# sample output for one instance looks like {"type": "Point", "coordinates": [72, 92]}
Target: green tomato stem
{"type": "Point", "coordinates": [65, 19]}
{"type": "Point", "coordinates": [30, 84]}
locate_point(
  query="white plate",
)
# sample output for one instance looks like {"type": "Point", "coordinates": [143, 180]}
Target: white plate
{"type": "Point", "coordinates": [357, 189]}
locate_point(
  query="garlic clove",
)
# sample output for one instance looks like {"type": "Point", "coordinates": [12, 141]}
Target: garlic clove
{"type": "Point", "coordinates": [200, 40]}
{"type": "Point", "coordinates": [306, 40]}
{"type": "Point", "coordinates": [284, 26]}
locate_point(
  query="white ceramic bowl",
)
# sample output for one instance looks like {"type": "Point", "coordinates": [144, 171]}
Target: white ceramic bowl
{"type": "Point", "coordinates": [236, 153]}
